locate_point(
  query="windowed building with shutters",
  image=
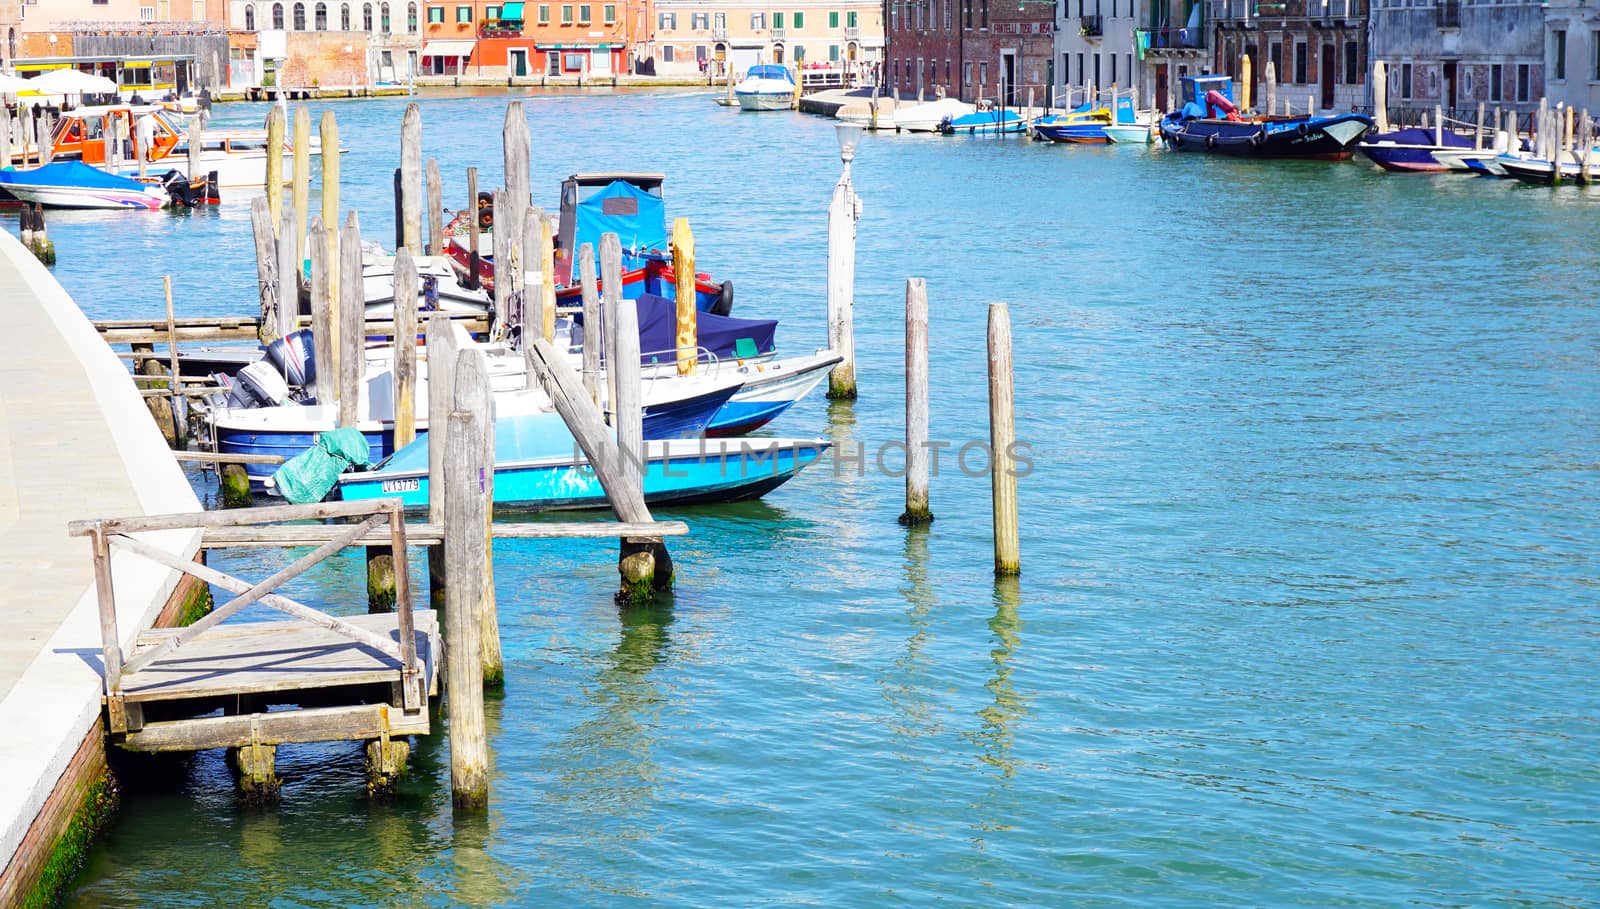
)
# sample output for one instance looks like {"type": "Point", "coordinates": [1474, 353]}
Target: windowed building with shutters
{"type": "Point", "coordinates": [970, 49]}
{"type": "Point", "coordinates": [1095, 46]}
{"type": "Point", "coordinates": [716, 38]}
{"type": "Point", "coordinates": [1572, 54]}
{"type": "Point", "coordinates": [1318, 48]}
{"type": "Point", "coordinates": [1455, 53]}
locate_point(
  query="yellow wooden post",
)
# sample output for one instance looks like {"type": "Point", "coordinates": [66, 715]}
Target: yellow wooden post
{"type": "Point", "coordinates": [547, 269]}
{"type": "Point", "coordinates": [1244, 84]}
{"type": "Point", "coordinates": [683, 272]}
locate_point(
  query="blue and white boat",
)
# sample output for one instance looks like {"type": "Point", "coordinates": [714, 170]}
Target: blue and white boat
{"type": "Point", "coordinates": [673, 408]}
{"type": "Point", "coordinates": [1085, 125]}
{"type": "Point", "coordinates": [731, 346]}
{"type": "Point", "coordinates": [993, 122]}
{"type": "Point", "coordinates": [1129, 127]}
{"type": "Point", "coordinates": [766, 87]}
{"type": "Point", "coordinates": [74, 184]}
{"type": "Point", "coordinates": [539, 466]}
{"type": "Point", "coordinates": [1414, 149]}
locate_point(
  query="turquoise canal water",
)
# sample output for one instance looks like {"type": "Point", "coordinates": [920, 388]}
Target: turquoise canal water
{"type": "Point", "coordinates": [1309, 605]}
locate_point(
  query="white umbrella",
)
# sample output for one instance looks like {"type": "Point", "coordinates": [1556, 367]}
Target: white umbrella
{"type": "Point", "coordinates": [71, 82]}
{"type": "Point", "coordinates": [10, 85]}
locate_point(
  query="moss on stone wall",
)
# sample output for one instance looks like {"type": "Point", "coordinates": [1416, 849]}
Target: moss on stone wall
{"type": "Point", "coordinates": [67, 857]}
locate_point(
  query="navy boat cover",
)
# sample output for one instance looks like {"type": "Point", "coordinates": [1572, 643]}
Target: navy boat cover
{"type": "Point", "coordinates": [722, 335]}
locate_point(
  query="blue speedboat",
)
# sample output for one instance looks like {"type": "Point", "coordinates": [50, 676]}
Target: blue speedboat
{"type": "Point", "coordinates": [985, 123]}
{"type": "Point", "coordinates": [539, 466]}
{"type": "Point", "coordinates": [1085, 125]}
{"type": "Point", "coordinates": [1209, 123]}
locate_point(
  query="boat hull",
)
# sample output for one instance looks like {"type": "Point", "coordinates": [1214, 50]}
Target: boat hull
{"type": "Point", "coordinates": [1325, 138]}
{"type": "Point", "coordinates": [770, 389]}
{"type": "Point", "coordinates": [1541, 173]}
{"type": "Point", "coordinates": [679, 472]}
{"type": "Point", "coordinates": [71, 197]}
{"type": "Point", "coordinates": [1125, 134]}
{"type": "Point", "coordinates": [1074, 134]}
{"type": "Point", "coordinates": [765, 100]}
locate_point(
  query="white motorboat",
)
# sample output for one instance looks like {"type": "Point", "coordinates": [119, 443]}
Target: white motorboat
{"type": "Point", "coordinates": [926, 118]}
{"type": "Point", "coordinates": [444, 295]}
{"type": "Point", "coordinates": [766, 87]}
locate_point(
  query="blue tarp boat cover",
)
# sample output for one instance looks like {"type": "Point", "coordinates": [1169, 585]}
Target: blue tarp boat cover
{"type": "Point", "coordinates": [638, 218]}
{"type": "Point", "coordinates": [68, 173]}
{"type": "Point", "coordinates": [1413, 135]}
{"type": "Point", "coordinates": [658, 331]}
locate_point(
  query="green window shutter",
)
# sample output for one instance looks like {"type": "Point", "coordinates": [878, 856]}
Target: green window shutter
{"type": "Point", "coordinates": [833, 19]}
{"type": "Point", "coordinates": [777, 20]}
{"type": "Point", "coordinates": [799, 19]}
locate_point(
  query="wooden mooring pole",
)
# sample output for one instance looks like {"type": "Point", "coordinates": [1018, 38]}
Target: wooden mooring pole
{"type": "Point", "coordinates": [288, 272]}
{"type": "Point", "coordinates": [466, 511]}
{"type": "Point", "coordinates": [688, 342]}
{"type": "Point", "coordinates": [411, 178]}
{"type": "Point", "coordinates": [302, 181]}
{"type": "Point", "coordinates": [474, 258]}
{"type": "Point", "coordinates": [473, 395]}
{"type": "Point", "coordinates": [329, 131]}
{"type": "Point", "coordinates": [1002, 440]}
{"type": "Point", "coordinates": [351, 355]}
{"type": "Point", "coordinates": [843, 211]}
{"type": "Point", "coordinates": [593, 326]}
{"type": "Point", "coordinates": [325, 326]}
{"type": "Point", "coordinates": [275, 128]}
{"type": "Point", "coordinates": [266, 267]}
{"type": "Point", "coordinates": [385, 574]}
{"type": "Point", "coordinates": [435, 210]}
{"type": "Point", "coordinates": [441, 348]}
{"type": "Point", "coordinates": [917, 511]}
{"type": "Point", "coordinates": [611, 302]}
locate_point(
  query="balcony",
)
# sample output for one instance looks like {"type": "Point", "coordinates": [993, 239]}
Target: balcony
{"type": "Point", "coordinates": [778, 34]}
{"type": "Point", "coordinates": [1449, 13]}
{"type": "Point", "coordinates": [719, 33]}
{"type": "Point", "coordinates": [1159, 39]}
{"type": "Point", "coordinates": [500, 28]}
{"type": "Point", "coordinates": [1091, 26]}
{"type": "Point", "coordinates": [851, 33]}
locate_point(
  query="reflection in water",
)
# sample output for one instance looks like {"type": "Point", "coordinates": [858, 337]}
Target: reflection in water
{"type": "Point", "coordinates": [478, 877]}
{"type": "Point", "coordinates": [996, 735]}
{"type": "Point", "coordinates": [905, 688]}
{"type": "Point", "coordinates": [610, 775]}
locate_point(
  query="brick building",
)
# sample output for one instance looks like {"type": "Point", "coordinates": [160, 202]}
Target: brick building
{"type": "Point", "coordinates": [1317, 47]}
{"type": "Point", "coordinates": [1455, 54]}
{"type": "Point", "coordinates": [971, 48]}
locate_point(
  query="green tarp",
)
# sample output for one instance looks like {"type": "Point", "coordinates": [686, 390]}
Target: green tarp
{"type": "Point", "coordinates": [511, 12]}
{"type": "Point", "coordinates": [310, 475]}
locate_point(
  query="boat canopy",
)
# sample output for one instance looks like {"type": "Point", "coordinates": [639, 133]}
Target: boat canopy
{"type": "Point", "coordinates": [770, 71]}
{"type": "Point", "coordinates": [637, 216]}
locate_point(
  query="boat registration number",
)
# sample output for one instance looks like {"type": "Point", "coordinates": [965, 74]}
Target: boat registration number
{"type": "Point", "coordinates": [411, 485]}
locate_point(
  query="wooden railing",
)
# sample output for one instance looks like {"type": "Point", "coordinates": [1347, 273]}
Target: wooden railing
{"type": "Point", "coordinates": [105, 533]}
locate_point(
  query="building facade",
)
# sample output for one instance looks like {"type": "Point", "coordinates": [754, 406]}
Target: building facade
{"type": "Point", "coordinates": [1455, 54]}
{"type": "Point", "coordinates": [1318, 48]}
{"type": "Point", "coordinates": [300, 43]}
{"type": "Point", "coordinates": [1572, 54]}
{"type": "Point", "coordinates": [717, 37]}
{"type": "Point", "coordinates": [972, 49]}
{"type": "Point", "coordinates": [1171, 41]}
{"type": "Point", "coordinates": [1095, 46]}
{"type": "Point", "coordinates": [10, 31]}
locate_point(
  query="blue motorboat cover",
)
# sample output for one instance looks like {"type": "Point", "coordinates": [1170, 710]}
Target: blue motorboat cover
{"type": "Point", "coordinates": [638, 218]}
{"type": "Point", "coordinates": [658, 331]}
{"type": "Point", "coordinates": [1414, 135]}
{"type": "Point", "coordinates": [69, 174]}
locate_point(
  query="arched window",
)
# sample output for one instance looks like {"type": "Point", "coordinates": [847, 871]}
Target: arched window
{"type": "Point", "coordinates": [411, 18]}
{"type": "Point", "coordinates": [250, 17]}
{"type": "Point", "coordinates": [384, 18]}
{"type": "Point", "coordinates": [277, 15]}
{"type": "Point", "coordinates": [322, 17]}
{"type": "Point", "coordinates": [366, 17]}
{"type": "Point", "coordinates": [344, 16]}
{"type": "Point", "coordinates": [299, 17]}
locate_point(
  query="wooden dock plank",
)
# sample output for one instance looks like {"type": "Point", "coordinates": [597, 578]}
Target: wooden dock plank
{"type": "Point", "coordinates": [319, 724]}
{"type": "Point", "coordinates": [262, 657]}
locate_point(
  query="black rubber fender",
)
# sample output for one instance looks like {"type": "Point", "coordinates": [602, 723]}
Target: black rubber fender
{"type": "Point", "coordinates": [724, 304]}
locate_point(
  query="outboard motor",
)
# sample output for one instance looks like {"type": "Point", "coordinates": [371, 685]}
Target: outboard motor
{"type": "Point", "coordinates": [258, 385]}
{"type": "Point", "coordinates": [180, 191]}
{"type": "Point", "coordinates": [294, 357]}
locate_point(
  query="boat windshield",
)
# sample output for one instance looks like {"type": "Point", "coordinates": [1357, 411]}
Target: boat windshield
{"type": "Point", "coordinates": [769, 71]}
{"type": "Point", "coordinates": [167, 122]}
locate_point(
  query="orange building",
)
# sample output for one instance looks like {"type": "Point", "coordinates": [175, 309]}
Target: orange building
{"type": "Point", "coordinates": [519, 39]}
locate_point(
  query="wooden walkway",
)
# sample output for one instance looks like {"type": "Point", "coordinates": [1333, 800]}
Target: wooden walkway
{"type": "Point", "coordinates": [269, 664]}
